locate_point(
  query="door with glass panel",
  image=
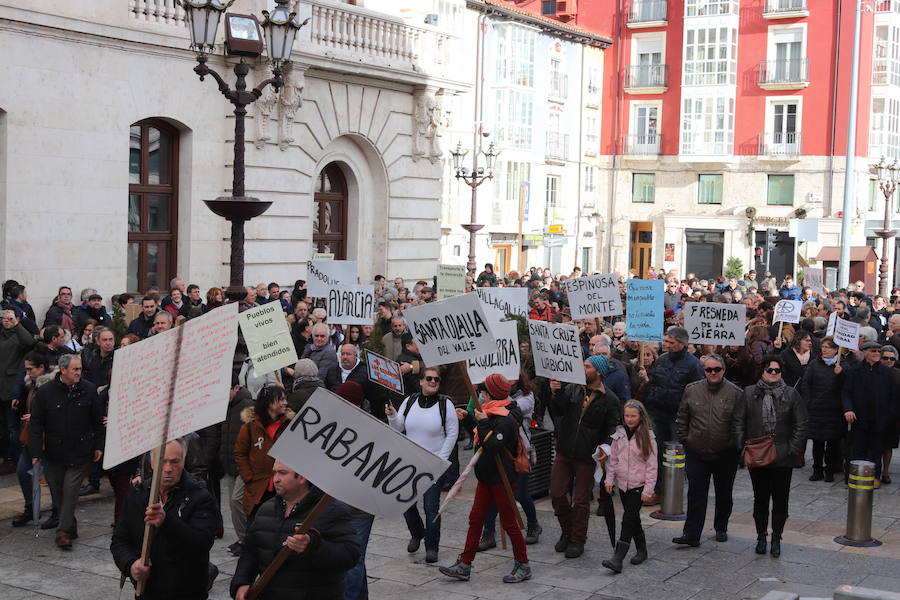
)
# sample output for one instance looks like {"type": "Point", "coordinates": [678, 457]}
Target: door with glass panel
{"type": "Point", "coordinates": [784, 139]}
{"type": "Point", "coordinates": [646, 136]}
{"type": "Point", "coordinates": [788, 56]}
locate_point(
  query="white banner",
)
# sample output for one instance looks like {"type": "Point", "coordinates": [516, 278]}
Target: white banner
{"type": "Point", "coordinates": [504, 360]}
{"type": "Point", "coordinates": [845, 333]}
{"type": "Point", "coordinates": [268, 339]}
{"type": "Point", "coordinates": [142, 387]}
{"type": "Point", "coordinates": [787, 311]}
{"type": "Point", "coordinates": [715, 323]}
{"type": "Point", "coordinates": [594, 296]}
{"type": "Point", "coordinates": [321, 275]}
{"type": "Point", "coordinates": [557, 351]}
{"type": "Point", "coordinates": [451, 281]}
{"type": "Point", "coordinates": [356, 458]}
{"type": "Point", "coordinates": [351, 305]}
{"type": "Point", "coordinates": [450, 330]}
{"type": "Point", "coordinates": [500, 301]}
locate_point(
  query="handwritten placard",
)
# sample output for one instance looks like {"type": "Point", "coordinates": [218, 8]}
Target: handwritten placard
{"type": "Point", "coordinates": [644, 302]}
{"type": "Point", "coordinates": [505, 360]}
{"type": "Point", "coordinates": [384, 371]}
{"type": "Point", "coordinates": [450, 330]}
{"type": "Point", "coordinates": [557, 351]}
{"type": "Point", "coordinates": [594, 296]}
{"type": "Point", "coordinates": [715, 323]}
{"type": "Point", "coordinates": [322, 275]}
{"type": "Point", "coordinates": [451, 281]}
{"type": "Point", "coordinates": [141, 388]}
{"type": "Point", "coordinates": [350, 304]}
{"type": "Point", "coordinates": [268, 339]}
{"type": "Point", "coordinates": [499, 302]}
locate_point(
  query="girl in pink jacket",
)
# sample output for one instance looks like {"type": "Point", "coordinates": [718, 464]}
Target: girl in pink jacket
{"type": "Point", "coordinates": [631, 468]}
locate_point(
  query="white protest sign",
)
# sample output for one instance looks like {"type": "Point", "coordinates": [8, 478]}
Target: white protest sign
{"type": "Point", "coordinates": [500, 301]}
{"type": "Point", "coordinates": [323, 256]}
{"type": "Point", "coordinates": [450, 330]}
{"type": "Point", "coordinates": [350, 304]}
{"type": "Point", "coordinates": [384, 371]}
{"type": "Point", "coordinates": [787, 311]}
{"type": "Point", "coordinates": [504, 360]}
{"type": "Point", "coordinates": [268, 339]}
{"type": "Point", "coordinates": [812, 277]}
{"type": "Point", "coordinates": [594, 296]}
{"type": "Point", "coordinates": [142, 385]}
{"type": "Point", "coordinates": [714, 323]}
{"type": "Point", "coordinates": [321, 275]}
{"type": "Point", "coordinates": [845, 333]}
{"type": "Point", "coordinates": [356, 458]}
{"type": "Point", "coordinates": [557, 351]}
{"type": "Point", "coordinates": [451, 281]}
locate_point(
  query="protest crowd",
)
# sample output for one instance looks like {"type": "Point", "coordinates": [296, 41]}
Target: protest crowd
{"type": "Point", "coordinates": [743, 379]}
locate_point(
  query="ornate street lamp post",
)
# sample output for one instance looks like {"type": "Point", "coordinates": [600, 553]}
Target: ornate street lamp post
{"type": "Point", "coordinates": [242, 39]}
{"type": "Point", "coordinates": [473, 179]}
{"type": "Point", "coordinates": [887, 181]}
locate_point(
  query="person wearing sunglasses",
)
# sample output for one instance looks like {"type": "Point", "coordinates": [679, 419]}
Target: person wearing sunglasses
{"type": "Point", "coordinates": [427, 418]}
{"type": "Point", "coordinates": [703, 424]}
{"type": "Point", "coordinates": [821, 389]}
{"type": "Point", "coordinates": [891, 437]}
{"type": "Point", "coordinates": [772, 408]}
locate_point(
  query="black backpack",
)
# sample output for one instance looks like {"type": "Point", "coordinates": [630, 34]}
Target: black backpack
{"type": "Point", "coordinates": [414, 398]}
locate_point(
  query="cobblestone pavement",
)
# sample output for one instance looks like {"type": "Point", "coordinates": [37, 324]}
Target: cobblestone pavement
{"type": "Point", "coordinates": [811, 564]}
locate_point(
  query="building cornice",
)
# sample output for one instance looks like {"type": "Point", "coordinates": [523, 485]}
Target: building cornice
{"type": "Point", "coordinates": [569, 33]}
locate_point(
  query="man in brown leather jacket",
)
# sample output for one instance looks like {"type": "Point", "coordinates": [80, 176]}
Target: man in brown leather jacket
{"type": "Point", "coordinates": [703, 425]}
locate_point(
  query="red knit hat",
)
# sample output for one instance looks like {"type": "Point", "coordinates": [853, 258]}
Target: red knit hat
{"type": "Point", "coordinates": [352, 392]}
{"type": "Point", "coordinates": [497, 386]}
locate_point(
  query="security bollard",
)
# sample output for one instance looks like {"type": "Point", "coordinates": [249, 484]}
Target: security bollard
{"type": "Point", "coordinates": [860, 489]}
{"type": "Point", "coordinates": [672, 505]}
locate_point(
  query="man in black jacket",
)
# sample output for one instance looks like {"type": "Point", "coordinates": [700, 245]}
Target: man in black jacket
{"type": "Point", "coordinates": [143, 323]}
{"type": "Point", "coordinates": [67, 418]}
{"type": "Point", "coordinates": [185, 519]}
{"type": "Point", "coordinates": [588, 418]}
{"type": "Point", "coordinates": [349, 368]}
{"type": "Point", "coordinates": [315, 570]}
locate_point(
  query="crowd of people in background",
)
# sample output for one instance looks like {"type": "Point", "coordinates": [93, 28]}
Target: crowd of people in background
{"type": "Point", "coordinates": [790, 381]}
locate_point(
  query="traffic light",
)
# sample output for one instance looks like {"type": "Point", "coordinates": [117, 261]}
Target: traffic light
{"type": "Point", "coordinates": [770, 238]}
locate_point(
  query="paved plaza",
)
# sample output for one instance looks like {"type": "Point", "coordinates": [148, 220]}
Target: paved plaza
{"type": "Point", "coordinates": [811, 564]}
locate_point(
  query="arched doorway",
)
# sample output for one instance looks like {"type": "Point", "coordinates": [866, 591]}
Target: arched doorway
{"type": "Point", "coordinates": [330, 213]}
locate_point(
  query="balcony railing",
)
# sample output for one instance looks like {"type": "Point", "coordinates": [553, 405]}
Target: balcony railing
{"type": "Point", "coordinates": [647, 11]}
{"type": "Point", "coordinates": [779, 144]}
{"type": "Point", "coordinates": [887, 6]}
{"type": "Point", "coordinates": [647, 77]}
{"type": "Point", "coordinates": [157, 11]}
{"type": "Point", "coordinates": [559, 85]}
{"type": "Point", "coordinates": [710, 8]}
{"type": "Point", "coordinates": [557, 146]}
{"type": "Point", "coordinates": [641, 144]}
{"type": "Point", "coordinates": [785, 8]}
{"type": "Point", "coordinates": [784, 74]}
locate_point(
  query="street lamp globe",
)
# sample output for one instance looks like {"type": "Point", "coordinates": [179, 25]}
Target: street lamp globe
{"type": "Point", "coordinates": [490, 158]}
{"type": "Point", "coordinates": [280, 27]}
{"type": "Point", "coordinates": [203, 18]}
{"type": "Point", "coordinates": [458, 154]}
{"type": "Point", "coordinates": [880, 167]}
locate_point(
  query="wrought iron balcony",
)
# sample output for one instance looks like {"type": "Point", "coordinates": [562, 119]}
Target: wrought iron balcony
{"type": "Point", "coordinates": [779, 144]}
{"type": "Point", "coordinates": [648, 13]}
{"type": "Point", "coordinates": [646, 79]}
{"type": "Point", "coordinates": [641, 144]}
{"type": "Point", "coordinates": [786, 74]}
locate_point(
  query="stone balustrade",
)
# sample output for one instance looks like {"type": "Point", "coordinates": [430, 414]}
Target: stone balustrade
{"type": "Point", "coordinates": [157, 11]}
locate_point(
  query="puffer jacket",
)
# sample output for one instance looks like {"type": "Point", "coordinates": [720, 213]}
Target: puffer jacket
{"type": "Point", "coordinates": [706, 415]}
{"type": "Point", "coordinates": [627, 468]}
{"type": "Point", "coordinates": [251, 455]}
{"type": "Point", "coordinates": [581, 432]}
{"type": "Point", "coordinates": [668, 377]}
{"type": "Point", "coordinates": [617, 381]}
{"type": "Point", "coordinates": [821, 390]}
{"type": "Point", "coordinates": [790, 424]}
{"type": "Point", "coordinates": [317, 573]}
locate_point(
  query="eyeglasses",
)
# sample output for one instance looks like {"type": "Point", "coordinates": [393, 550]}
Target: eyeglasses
{"type": "Point", "coordinates": [713, 369]}
{"type": "Point", "coordinates": [430, 378]}
{"type": "Point", "coordinates": [773, 371]}
{"type": "Point", "coordinates": [890, 358]}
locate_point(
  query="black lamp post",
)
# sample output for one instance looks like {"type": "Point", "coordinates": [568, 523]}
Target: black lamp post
{"type": "Point", "coordinates": [887, 181]}
{"type": "Point", "coordinates": [242, 39]}
{"type": "Point", "coordinates": [473, 179]}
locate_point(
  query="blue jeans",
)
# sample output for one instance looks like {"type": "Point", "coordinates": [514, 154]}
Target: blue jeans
{"type": "Point", "coordinates": [431, 529]}
{"type": "Point", "coordinates": [524, 498]}
{"type": "Point", "coordinates": [25, 480]}
{"type": "Point", "coordinates": [356, 585]}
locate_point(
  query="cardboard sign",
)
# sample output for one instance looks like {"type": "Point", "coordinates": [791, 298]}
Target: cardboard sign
{"type": "Point", "coordinates": [451, 281]}
{"type": "Point", "coordinates": [499, 302]}
{"type": "Point", "coordinates": [557, 351]}
{"type": "Point", "coordinates": [645, 318]}
{"type": "Point", "coordinates": [268, 339]}
{"type": "Point", "coordinates": [594, 296]}
{"type": "Point", "coordinates": [351, 305]}
{"type": "Point", "coordinates": [356, 458]}
{"type": "Point", "coordinates": [384, 371]}
{"type": "Point", "coordinates": [845, 333]}
{"type": "Point", "coordinates": [812, 277]}
{"type": "Point", "coordinates": [322, 275]}
{"type": "Point", "coordinates": [787, 311]}
{"type": "Point", "coordinates": [504, 360]}
{"type": "Point", "coordinates": [150, 375]}
{"type": "Point", "coordinates": [714, 323]}
{"type": "Point", "coordinates": [450, 330]}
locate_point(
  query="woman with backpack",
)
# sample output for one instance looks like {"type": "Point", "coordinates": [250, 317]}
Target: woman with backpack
{"type": "Point", "coordinates": [427, 418]}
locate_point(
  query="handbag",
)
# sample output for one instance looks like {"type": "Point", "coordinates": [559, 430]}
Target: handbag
{"type": "Point", "coordinates": [760, 451]}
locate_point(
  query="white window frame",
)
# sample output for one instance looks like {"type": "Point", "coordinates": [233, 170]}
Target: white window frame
{"type": "Point", "coordinates": [632, 116]}
{"type": "Point", "coordinates": [885, 140]}
{"type": "Point", "coordinates": [703, 77]}
{"type": "Point", "coordinates": [512, 127]}
{"type": "Point", "coordinates": [512, 40]}
{"type": "Point", "coordinates": [594, 87]}
{"type": "Point", "coordinates": [639, 41]}
{"type": "Point", "coordinates": [771, 101]}
{"type": "Point", "coordinates": [773, 35]}
{"type": "Point", "coordinates": [707, 147]}
{"type": "Point", "coordinates": [589, 178]}
{"type": "Point", "coordinates": [591, 134]}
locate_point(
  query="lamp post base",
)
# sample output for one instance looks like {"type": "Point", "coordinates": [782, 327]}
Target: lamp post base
{"type": "Point", "coordinates": [472, 228]}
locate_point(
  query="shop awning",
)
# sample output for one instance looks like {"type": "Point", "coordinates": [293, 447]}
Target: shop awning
{"type": "Point", "coordinates": [857, 253]}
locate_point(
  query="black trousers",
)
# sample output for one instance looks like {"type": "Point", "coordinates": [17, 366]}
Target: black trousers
{"type": "Point", "coordinates": [826, 455]}
{"type": "Point", "coordinates": [722, 469]}
{"type": "Point", "coordinates": [771, 484]}
{"type": "Point", "coordinates": [631, 515]}
{"type": "Point", "coordinates": [867, 446]}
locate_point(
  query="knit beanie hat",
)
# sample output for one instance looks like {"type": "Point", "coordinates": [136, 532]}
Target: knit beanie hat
{"type": "Point", "coordinates": [600, 363]}
{"type": "Point", "coordinates": [306, 367]}
{"type": "Point", "coordinates": [352, 392]}
{"type": "Point", "coordinates": [497, 386]}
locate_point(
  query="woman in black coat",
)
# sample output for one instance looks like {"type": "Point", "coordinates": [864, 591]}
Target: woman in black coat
{"type": "Point", "coordinates": [821, 390]}
{"type": "Point", "coordinates": [796, 357]}
{"type": "Point", "coordinates": [772, 408]}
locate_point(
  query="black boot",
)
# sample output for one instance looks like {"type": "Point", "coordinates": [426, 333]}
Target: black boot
{"type": "Point", "coordinates": [563, 542]}
{"type": "Point", "coordinates": [614, 564]}
{"type": "Point", "coordinates": [24, 518]}
{"type": "Point", "coordinates": [775, 547]}
{"type": "Point", "coordinates": [761, 544]}
{"type": "Point", "coordinates": [817, 475]}
{"type": "Point", "coordinates": [640, 545]}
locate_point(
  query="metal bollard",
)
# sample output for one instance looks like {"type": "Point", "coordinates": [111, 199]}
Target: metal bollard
{"type": "Point", "coordinates": [672, 505]}
{"type": "Point", "coordinates": [860, 489]}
